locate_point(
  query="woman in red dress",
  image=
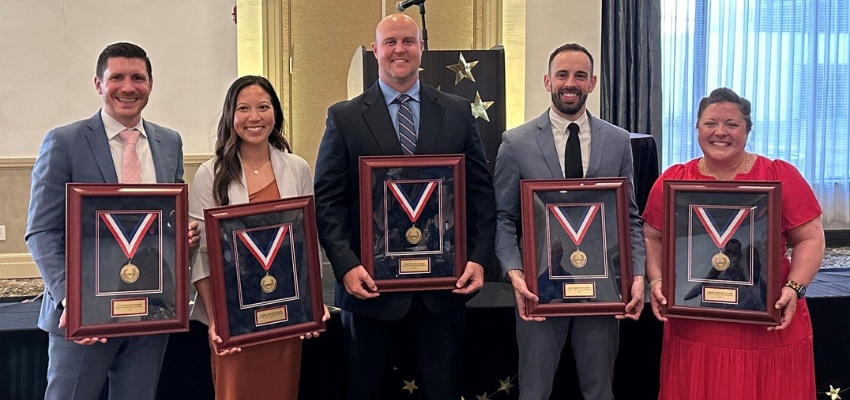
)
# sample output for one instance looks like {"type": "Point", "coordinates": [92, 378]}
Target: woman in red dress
{"type": "Point", "coordinates": [723, 360]}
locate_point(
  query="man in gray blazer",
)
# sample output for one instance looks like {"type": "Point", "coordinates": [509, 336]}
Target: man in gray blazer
{"type": "Point", "coordinates": [92, 150]}
{"type": "Point", "coordinates": [543, 149]}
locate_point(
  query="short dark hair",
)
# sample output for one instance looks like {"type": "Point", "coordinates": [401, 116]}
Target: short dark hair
{"type": "Point", "coordinates": [571, 47]}
{"type": "Point", "coordinates": [726, 95]}
{"type": "Point", "coordinates": [125, 50]}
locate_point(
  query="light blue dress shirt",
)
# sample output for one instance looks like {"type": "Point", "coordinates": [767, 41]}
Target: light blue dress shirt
{"type": "Point", "coordinates": [390, 94]}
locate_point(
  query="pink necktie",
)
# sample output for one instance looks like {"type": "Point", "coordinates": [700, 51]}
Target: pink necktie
{"type": "Point", "coordinates": [130, 165]}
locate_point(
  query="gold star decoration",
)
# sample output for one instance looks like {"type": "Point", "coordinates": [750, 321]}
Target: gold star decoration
{"type": "Point", "coordinates": [506, 385]}
{"type": "Point", "coordinates": [462, 69]}
{"type": "Point", "coordinates": [410, 385]}
{"type": "Point", "coordinates": [482, 397]}
{"type": "Point", "coordinates": [833, 393]}
{"type": "Point", "coordinates": [479, 108]}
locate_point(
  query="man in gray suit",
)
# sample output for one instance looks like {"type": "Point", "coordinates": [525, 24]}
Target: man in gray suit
{"type": "Point", "coordinates": [95, 150]}
{"type": "Point", "coordinates": [544, 149]}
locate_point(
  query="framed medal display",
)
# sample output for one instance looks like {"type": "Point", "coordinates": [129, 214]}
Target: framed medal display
{"type": "Point", "coordinates": [264, 270]}
{"type": "Point", "coordinates": [576, 246]}
{"type": "Point", "coordinates": [721, 245]}
{"type": "Point", "coordinates": [413, 221]}
{"type": "Point", "coordinates": [126, 259]}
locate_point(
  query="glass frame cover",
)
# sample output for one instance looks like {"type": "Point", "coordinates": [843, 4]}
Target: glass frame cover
{"type": "Point", "coordinates": [126, 259]}
{"type": "Point", "coordinates": [413, 221]}
{"type": "Point", "coordinates": [576, 246]}
{"type": "Point", "coordinates": [264, 271]}
{"type": "Point", "coordinates": [721, 250]}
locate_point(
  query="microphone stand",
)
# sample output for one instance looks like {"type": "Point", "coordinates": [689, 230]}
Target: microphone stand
{"type": "Point", "coordinates": [424, 29]}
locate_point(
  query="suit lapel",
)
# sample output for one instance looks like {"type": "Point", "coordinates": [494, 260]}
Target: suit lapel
{"type": "Point", "coordinates": [547, 146]}
{"type": "Point", "coordinates": [597, 145]}
{"type": "Point", "coordinates": [155, 144]}
{"type": "Point", "coordinates": [430, 120]}
{"type": "Point", "coordinates": [99, 145]}
{"type": "Point", "coordinates": [380, 124]}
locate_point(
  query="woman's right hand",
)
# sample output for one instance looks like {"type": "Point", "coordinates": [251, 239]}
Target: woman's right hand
{"type": "Point", "coordinates": [657, 299]}
{"type": "Point", "coordinates": [215, 340]}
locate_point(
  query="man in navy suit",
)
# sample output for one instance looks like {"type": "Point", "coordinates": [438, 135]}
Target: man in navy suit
{"type": "Point", "coordinates": [541, 149]}
{"type": "Point", "coordinates": [375, 124]}
{"type": "Point", "coordinates": [92, 150]}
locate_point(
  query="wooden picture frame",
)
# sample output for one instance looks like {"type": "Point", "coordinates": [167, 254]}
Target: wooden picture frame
{"type": "Point", "coordinates": [264, 271]}
{"type": "Point", "coordinates": [721, 249]}
{"type": "Point", "coordinates": [126, 259]}
{"type": "Point", "coordinates": [576, 246]}
{"type": "Point", "coordinates": [413, 221]}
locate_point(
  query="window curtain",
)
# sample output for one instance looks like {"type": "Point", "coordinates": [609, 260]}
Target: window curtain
{"type": "Point", "coordinates": [791, 59]}
{"type": "Point", "coordinates": [631, 65]}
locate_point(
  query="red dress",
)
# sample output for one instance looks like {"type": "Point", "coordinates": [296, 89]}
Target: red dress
{"type": "Point", "coordinates": [724, 360]}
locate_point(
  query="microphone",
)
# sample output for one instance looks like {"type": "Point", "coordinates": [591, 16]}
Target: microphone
{"type": "Point", "coordinates": [403, 5]}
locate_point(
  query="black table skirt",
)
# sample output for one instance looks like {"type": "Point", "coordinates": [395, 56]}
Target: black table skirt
{"type": "Point", "coordinates": [490, 357]}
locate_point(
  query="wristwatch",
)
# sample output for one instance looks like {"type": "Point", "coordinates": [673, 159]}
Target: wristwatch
{"type": "Point", "coordinates": [800, 289]}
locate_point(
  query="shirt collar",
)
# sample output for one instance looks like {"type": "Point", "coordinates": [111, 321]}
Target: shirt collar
{"type": "Point", "coordinates": [390, 94]}
{"type": "Point", "coordinates": [113, 127]}
{"type": "Point", "coordinates": [559, 123]}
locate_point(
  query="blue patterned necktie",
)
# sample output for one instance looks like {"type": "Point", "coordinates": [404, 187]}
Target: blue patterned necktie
{"type": "Point", "coordinates": [406, 127]}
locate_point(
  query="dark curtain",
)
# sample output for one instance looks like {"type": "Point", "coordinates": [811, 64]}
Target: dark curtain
{"type": "Point", "coordinates": [631, 65]}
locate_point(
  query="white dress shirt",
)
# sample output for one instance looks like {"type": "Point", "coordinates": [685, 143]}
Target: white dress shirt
{"type": "Point", "coordinates": [116, 147]}
{"type": "Point", "coordinates": [293, 177]}
{"type": "Point", "coordinates": [559, 131]}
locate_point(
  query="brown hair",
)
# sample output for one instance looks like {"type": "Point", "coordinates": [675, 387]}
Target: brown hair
{"type": "Point", "coordinates": [726, 95]}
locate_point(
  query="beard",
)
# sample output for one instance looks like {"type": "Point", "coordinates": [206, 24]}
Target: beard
{"type": "Point", "coordinates": [569, 109]}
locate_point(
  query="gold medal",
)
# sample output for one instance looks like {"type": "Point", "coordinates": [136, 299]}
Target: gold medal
{"type": "Point", "coordinates": [129, 273]}
{"type": "Point", "coordinates": [268, 284]}
{"type": "Point", "coordinates": [413, 207]}
{"type": "Point", "coordinates": [720, 262]}
{"type": "Point", "coordinates": [578, 259]}
{"type": "Point", "coordinates": [413, 235]}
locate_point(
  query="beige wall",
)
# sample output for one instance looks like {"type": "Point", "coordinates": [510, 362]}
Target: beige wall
{"type": "Point", "coordinates": [50, 49]}
{"type": "Point", "coordinates": [14, 199]}
{"type": "Point", "coordinates": [46, 80]}
{"type": "Point", "coordinates": [324, 37]}
{"type": "Point", "coordinates": [15, 261]}
{"type": "Point", "coordinates": [549, 24]}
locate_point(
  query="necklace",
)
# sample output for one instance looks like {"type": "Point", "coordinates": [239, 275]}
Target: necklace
{"type": "Point", "coordinates": [255, 167]}
{"type": "Point", "coordinates": [746, 162]}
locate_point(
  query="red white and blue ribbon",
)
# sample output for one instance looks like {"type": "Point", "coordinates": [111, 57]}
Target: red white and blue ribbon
{"type": "Point", "coordinates": [129, 243]}
{"type": "Point", "coordinates": [265, 257]}
{"type": "Point", "coordinates": [412, 211]}
{"type": "Point", "coordinates": [721, 236]}
{"type": "Point", "coordinates": [576, 233]}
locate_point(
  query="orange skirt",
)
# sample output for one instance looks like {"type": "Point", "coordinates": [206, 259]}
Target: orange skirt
{"type": "Point", "coordinates": [264, 371]}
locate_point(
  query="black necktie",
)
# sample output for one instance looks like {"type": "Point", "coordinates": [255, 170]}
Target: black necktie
{"type": "Point", "coordinates": [572, 154]}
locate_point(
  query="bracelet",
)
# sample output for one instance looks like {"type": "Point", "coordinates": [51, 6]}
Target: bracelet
{"type": "Point", "coordinates": [653, 282]}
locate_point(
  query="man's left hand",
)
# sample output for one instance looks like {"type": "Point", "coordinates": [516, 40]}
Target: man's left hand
{"type": "Point", "coordinates": [471, 280]}
{"type": "Point", "coordinates": [635, 306]}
